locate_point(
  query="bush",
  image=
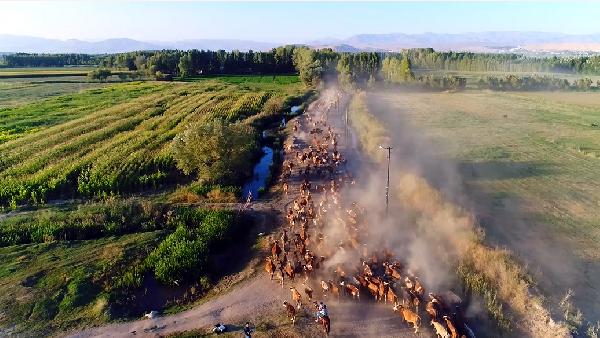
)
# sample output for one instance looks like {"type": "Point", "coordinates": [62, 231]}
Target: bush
{"type": "Point", "coordinates": [160, 76]}
{"type": "Point", "coordinates": [216, 152]}
{"type": "Point", "coordinates": [182, 256]}
{"type": "Point", "coordinates": [112, 217]}
{"type": "Point", "coordinates": [99, 74]}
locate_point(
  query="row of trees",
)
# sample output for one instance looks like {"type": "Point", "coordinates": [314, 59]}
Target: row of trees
{"type": "Point", "coordinates": [513, 82]}
{"type": "Point", "coordinates": [427, 58]}
{"type": "Point", "coordinates": [204, 62]}
{"type": "Point", "coordinates": [280, 60]}
{"type": "Point", "coordinates": [48, 60]}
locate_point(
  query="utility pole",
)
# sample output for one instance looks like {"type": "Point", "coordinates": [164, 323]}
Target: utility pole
{"type": "Point", "coordinates": [387, 187]}
{"type": "Point", "coordinates": [346, 128]}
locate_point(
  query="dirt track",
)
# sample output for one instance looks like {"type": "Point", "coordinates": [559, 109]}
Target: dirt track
{"type": "Point", "coordinates": [258, 298]}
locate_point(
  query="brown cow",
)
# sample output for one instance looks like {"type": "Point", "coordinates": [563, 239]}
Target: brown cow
{"type": "Point", "coordinates": [351, 290]}
{"type": "Point", "coordinates": [392, 272]}
{"type": "Point", "coordinates": [433, 308]}
{"type": "Point", "coordinates": [373, 289]}
{"type": "Point", "coordinates": [409, 316]}
{"type": "Point", "coordinates": [325, 287]}
{"type": "Point", "coordinates": [289, 270]}
{"type": "Point", "coordinates": [382, 292]}
{"type": "Point", "coordinates": [335, 290]}
{"type": "Point", "coordinates": [280, 275]}
{"type": "Point", "coordinates": [291, 312]}
{"type": "Point", "coordinates": [296, 296]}
{"type": "Point", "coordinates": [362, 281]}
{"type": "Point", "coordinates": [451, 327]}
{"type": "Point", "coordinates": [308, 291]}
{"type": "Point", "coordinates": [390, 294]}
{"type": "Point", "coordinates": [285, 187]}
{"type": "Point", "coordinates": [418, 287]}
{"type": "Point", "coordinates": [275, 250]}
{"type": "Point", "coordinates": [440, 329]}
{"type": "Point", "coordinates": [270, 267]}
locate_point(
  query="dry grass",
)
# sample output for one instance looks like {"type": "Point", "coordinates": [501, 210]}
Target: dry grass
{"type": "Point", "coordinates": [488, 271]}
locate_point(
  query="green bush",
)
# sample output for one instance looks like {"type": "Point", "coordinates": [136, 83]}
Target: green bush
{"type": "Point", "coordinates": [183, 254]}
{"type": "Point", "coordinates": [180, 256]}
{"type": "Point", "coordinates": [112, 217]}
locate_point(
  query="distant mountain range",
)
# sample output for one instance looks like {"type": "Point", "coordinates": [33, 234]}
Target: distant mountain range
{"type": "Point", "coordinates": [29, 44]}
{"type": "Point", "coordinates": [535, 42]}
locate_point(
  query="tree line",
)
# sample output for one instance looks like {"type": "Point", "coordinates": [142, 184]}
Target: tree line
{"type": "Point", "coordinates": [48, 60]}
{"type": "Point", "coordinates": [351, 70]}
{"type": "Point", "coordinates": [205, 62]}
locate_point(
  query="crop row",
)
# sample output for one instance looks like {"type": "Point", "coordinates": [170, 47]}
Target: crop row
{"type": "Point", "coordinates": [118, 149]}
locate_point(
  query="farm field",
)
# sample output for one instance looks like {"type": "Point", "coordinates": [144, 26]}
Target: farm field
{"type": "Point", "coordinates": [529, 165]}
{"type": "Point", "coordinates": [114, 139]}
{"type": "Point", "coordinates": [14, 92]}
{"type": "Point", "coordinates": [79, 251]}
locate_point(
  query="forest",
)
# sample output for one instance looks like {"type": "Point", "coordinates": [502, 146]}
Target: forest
{"type": "Point", "coordinates": [280, 61]}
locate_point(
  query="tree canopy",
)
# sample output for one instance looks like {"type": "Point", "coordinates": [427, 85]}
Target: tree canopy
{"type": "Point", "coordinates": [215, 151]}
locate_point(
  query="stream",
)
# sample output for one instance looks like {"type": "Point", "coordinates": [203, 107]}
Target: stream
{"type": "Point", "coordinates": [260, 174]}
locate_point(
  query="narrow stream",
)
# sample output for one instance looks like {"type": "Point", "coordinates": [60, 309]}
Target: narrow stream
{"type": "Point", "coordinates": [262, 168]}
{"type": "Point", "coordinates": [260, 175]}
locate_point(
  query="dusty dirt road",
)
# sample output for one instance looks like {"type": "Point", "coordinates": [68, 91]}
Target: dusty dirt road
{"type": "Point", "coordinates": [257, 298]}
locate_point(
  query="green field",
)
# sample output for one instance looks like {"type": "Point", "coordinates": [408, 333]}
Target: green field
{"type": "Point", "coordinates": [20, 91]}
{"type": "Point", "coordinates": [530, 162]}
{"type": "Point", "coordinates": [115, 139]}
{"type": "Point", "coordinates": [84, 261]}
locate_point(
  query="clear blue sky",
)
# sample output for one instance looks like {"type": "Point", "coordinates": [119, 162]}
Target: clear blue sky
{"type": "Point", "coordinates": [286, 22]}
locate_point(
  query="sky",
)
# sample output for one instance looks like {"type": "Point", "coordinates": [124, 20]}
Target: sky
{"type": "Point", "coordinates": [286, 22]}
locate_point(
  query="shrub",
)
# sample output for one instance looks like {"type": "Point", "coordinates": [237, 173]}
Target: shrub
{"type": "Point", "coordinates": [182, 256]}
{"type": "Point", "coordinates": [216, 151]}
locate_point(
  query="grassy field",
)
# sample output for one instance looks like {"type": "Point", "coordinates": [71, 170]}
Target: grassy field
{"type": "Point", "coordinates": [14, 93]}
{"type": "Point", "coordinates": [114, 139]}
{"type": "Point", "coordinates": [530, 163]}
{"type": "Point", "coordinates": [86, 261]}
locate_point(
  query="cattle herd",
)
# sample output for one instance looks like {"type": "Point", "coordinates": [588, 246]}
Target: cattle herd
{"type": "Point", "coordinates": [324, 243]}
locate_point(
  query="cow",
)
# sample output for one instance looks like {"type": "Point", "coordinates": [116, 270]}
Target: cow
{"type": "Point", "coordinates": [391, 271]}
{"type": "Point", "coordinates": [291, 312]}
{"type": "Point", "coordinates": [390, 295]}
{"type": "Point", "coordinates": [361, 280]}
{"type": "Point", "coordinates": [440, 329]}
{"type": "Point", "coordinates": [270, 267]}
{"type": "Point", "coordinates": [382, 292]}
{"type": "Point", "coordinates": [408, 315]}
{"type": "Point", "coordinates": [276, 250]}
{"type": "Point", "coordinates": [280, 276]}
{"type": "Point", "coordinates": [335, 290]}
{"type": "Point", "coordinates": [351, 290]}
{"type": "Point", "coordinates": [433, 308]}
{"type": "Point", "coordinates": [373, 289]}
{"type": "Point", "coordinates": [308, 291]}
{"type": "Point", "coordinates": [451, 327]}
{"type": "Point", "coordinates": [418, 287]}
{"type": "Point", "coordinates": [289, 270]}
{"type": "Point", "coordinates": [325, 287]}
{"type": "Point", "coordinates": [285, 187]}
{"type": "Point", "coordinates": [296, 297]}
{"type": "Point", "coordinates": [408, 283]}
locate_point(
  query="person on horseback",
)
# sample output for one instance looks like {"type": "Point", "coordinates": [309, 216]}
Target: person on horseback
{"type": "Point", "coordinates": [322, 311]}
